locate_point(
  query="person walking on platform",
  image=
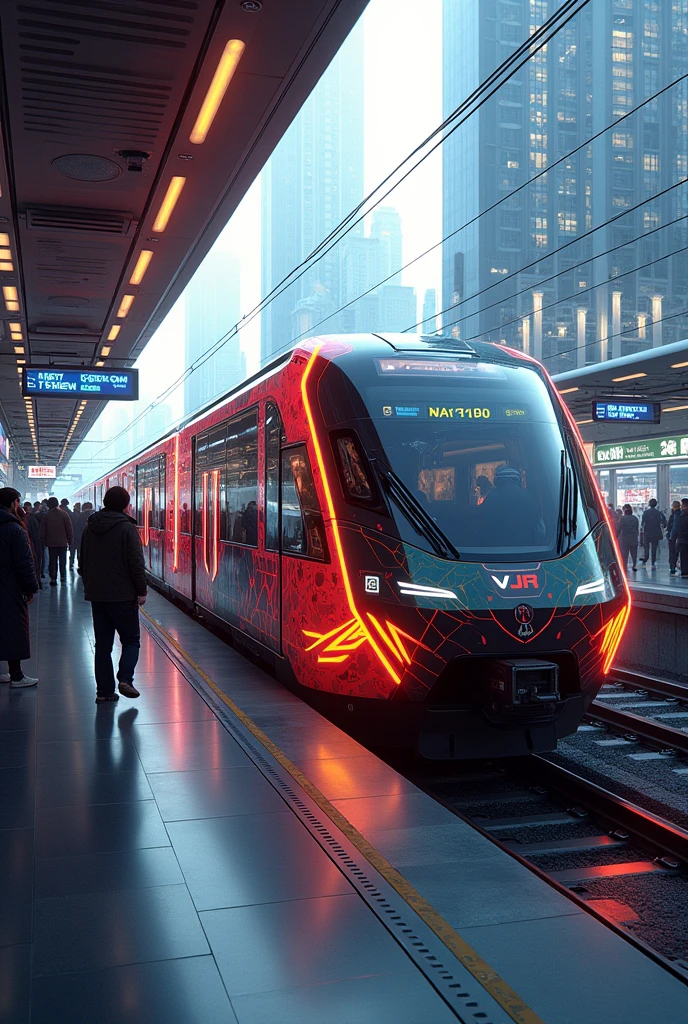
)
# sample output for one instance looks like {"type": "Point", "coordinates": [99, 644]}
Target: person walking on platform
{"type": "Point", "coordinates": [33, 528]}
{"type": "Point", "coordinates": [18, 584]}
{"type": "Point", "coordinates": [112, 567]}
{"type": "Point", "coordinates": [629, 528]}
{"type": "Point", "coordinates": [679, 533]}
{"type": "Point", "coordinates": [673, 553]}
{"type": "Point", "coordinates": [57, 535]}
{"type": "Point", "coordinates": [652, 524]}
{"type": "Point", "coordinates": [64, 504]}
{"type": "Point", "coordinates": [79, 517]}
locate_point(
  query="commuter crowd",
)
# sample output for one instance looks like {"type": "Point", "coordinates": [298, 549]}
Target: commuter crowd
{"type": "Point", "coordinates": [106, 546]}
{"type": "Point", "coordinates": [649, 530]}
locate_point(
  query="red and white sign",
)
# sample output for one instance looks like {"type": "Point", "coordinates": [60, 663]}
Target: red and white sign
{"type": "Point", "coordinates": [42, 472]}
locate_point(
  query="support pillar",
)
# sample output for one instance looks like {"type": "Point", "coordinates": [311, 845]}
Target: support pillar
{"type": "Point", "coordinates": [537, 325]}
{"type": "Point", "coordinates": [657, 325]}
{"type": "Point", "coordinates": [581, 337]}
{"type": "Point", "coordinates": [616, 325]}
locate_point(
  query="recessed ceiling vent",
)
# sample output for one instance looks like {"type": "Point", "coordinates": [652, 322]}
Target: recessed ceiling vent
{"type": "Point", "coordinates": [73, 218]}
{"type": "Point", "coordinates": [86, 167]}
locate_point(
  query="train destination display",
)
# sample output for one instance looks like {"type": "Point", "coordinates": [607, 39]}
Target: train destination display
{"type": "Point", "coordinates": [628, 410]}
{"type": "Point", "coordinates": [93, 383]}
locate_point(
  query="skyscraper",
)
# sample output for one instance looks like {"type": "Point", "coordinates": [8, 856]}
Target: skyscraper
{"type": "Point", "coordinates": [539, 271]}
{"type": "Point", "coordinates": [386, 228]}
{"type": "Point", "coordinates": [429, 324]}
{"type": "Point", "coordinates": [212, 308]}
{"type": "Point", "coordinates": [312, 181]}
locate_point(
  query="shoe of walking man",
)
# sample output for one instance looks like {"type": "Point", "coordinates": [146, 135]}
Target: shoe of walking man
{"type": "Point", "coordinates": [57, 535]}
{"type": "Point", "coordinates": [18, 584]}
{"type": "Point", "coordinates": [112, 567]}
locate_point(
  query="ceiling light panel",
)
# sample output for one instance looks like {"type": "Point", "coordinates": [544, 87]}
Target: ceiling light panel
{"type": "Point", "coordinates": [141, 266]}
{"type": "Point", "coordinates": [168, 204]}
{"type": "Point", "coordinates": [125, 305]}
{"type": "Point", "coordinates": [224, 73]}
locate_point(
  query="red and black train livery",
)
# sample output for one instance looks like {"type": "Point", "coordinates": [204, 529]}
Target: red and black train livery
{"type": "Point", "coordinates": [407, 529]}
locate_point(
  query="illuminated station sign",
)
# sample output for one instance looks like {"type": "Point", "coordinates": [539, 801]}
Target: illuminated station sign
{"type": "Point", "coordinates": [92, 383]}
{"type": "Point", "coordinates": [42, 472]}
{"type": "Point", "coordinates": [625, 410]}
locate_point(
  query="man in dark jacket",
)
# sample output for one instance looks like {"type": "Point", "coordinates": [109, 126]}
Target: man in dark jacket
{"type": "Point", "coordinates": [628, 537]}
{"type": "Point", "coordinates": [652, 523]}
{"type": "Point", "coordinates": [18, 584]}
{"type": "Point", "coordinates": [113, 570]}
{"type": "Point", "coordinates": [679, 534]}
{"type": "Point", "coordinates": [673, 552]}
{"type": "Point", "coordinates": [33, 528]}
{"type": "Point", "coordinates": [57, 535]}
{"type": "Point", "coordinates": [79, 523]}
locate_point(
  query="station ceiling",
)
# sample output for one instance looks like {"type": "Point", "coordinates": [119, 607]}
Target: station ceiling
{"type": "Point", "coordinates": [100, 115]}
{"type": "Point", "coordinates": [658, 374]}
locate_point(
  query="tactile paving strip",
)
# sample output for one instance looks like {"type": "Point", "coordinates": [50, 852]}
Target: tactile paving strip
{"type": "Point", "coordinates": [460, 988]}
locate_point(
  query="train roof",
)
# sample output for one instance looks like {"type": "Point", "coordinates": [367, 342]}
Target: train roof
{"type": "Point", "coordinates": [483, 350]}
{"type": "Point", "coordinates": [373, 343]}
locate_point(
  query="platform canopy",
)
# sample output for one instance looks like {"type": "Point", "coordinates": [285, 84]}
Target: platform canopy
{"type": "Point", "coordinates": [111, 121]}
{"type": "Point", "coordinates": [660, 375]}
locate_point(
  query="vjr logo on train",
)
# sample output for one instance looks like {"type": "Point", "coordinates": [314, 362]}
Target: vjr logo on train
{"type": "Point", "coordinates": [521, 581]}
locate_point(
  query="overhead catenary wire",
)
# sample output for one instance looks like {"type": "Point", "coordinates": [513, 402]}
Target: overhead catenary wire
{"type": "Point", "coordinates": [538, 39]}
{"type": "Point", "coordinates": [509, 195]}
{"type": "Point", "coordinates": [576, 266]}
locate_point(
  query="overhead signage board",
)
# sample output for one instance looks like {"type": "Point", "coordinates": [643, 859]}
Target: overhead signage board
{"type": "Point", "coordinates": [650, 449]}
{"type": "Point", "coordinates": [42, 472]}
{"type": "Point", "coordinates": [92, 383]}
{"type": "Point", "coordinates": [626, 410]}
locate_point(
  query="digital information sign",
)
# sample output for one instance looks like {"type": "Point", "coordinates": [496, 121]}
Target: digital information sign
{"type": "Point", "coordinates": [92, 383]}
{"type": "Point", "coordinates": [629, 410]}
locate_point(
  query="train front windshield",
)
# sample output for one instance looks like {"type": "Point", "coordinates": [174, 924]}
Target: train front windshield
{"type": "Point", "coordinates": [479, 447]}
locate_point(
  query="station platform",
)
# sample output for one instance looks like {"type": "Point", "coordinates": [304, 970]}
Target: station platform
{"type": "Point", "coordinates": [217, 851]}
{"type": "Point", "coordinates": [654, 641]}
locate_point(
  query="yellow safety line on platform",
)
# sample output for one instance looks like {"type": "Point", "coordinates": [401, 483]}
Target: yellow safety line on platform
{"type": "Point", "coordinates": [502, 993]}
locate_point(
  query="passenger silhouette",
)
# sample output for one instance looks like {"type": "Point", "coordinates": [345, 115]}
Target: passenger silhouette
{"type": "Point", "coordinates": [511, 512]}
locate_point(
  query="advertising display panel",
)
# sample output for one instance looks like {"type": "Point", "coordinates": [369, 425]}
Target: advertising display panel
{"type": "Point", "coordinates": [642, 451]}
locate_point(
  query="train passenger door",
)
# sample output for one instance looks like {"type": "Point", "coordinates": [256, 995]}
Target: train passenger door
{"type": "Point", "coordinates": [268, 565]}
{"type": "Point", "coordinates": [209, 479]}
{"type": "Point", "coordinates": [150, 513]}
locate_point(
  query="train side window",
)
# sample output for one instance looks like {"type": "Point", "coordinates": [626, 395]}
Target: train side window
{"type": "Point", "coordinates": [160, 493]}
{"type": "Point", "coordinates": [354, 471]}
{"type": "Point", "coordinates": [241, 487]}
{"type": "Point", "coordinates": [303, 531]}
{"type": "Point", "coordinates": [273, 436]}
{"type": "Point", "coordinates": [150, 492]}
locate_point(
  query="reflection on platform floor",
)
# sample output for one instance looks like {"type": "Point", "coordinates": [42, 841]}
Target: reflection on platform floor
{"type": "Point", "coordinates": [149, 872]}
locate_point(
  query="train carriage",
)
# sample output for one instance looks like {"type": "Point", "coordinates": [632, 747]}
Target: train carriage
{"type": "Point", "coordinates": [410, 533]}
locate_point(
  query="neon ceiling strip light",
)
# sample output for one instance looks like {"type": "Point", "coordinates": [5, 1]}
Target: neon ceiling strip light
{"type": "Point", "coordinates": [392, 672]}
{"type": "Point", "coordinates": [224, 73]}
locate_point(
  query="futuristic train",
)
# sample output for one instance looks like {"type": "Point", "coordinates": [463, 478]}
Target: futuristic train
{"type": "Point", "coordinates": [408, 530]}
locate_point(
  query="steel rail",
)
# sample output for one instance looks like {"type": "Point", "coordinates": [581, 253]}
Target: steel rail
{"type": "Point", "coordinates": [646, 728]}
{"type": "Point", "coordinates": [653, 684]}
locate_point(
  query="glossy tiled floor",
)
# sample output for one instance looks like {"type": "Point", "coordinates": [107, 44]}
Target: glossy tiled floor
{"type": "Point", "coordinates": [149, 872]}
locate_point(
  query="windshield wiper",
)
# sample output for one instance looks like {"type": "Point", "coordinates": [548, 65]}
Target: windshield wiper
{"type": "Point", "coordinates": [418, 517]}
{"type": "Point", "coordinates": [568, 504]}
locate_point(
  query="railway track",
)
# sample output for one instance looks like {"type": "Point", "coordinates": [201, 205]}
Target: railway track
{"type": "Point", "coordinates": [614, 858]}
{"type": "Point", "coordinates": [649, 708]}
